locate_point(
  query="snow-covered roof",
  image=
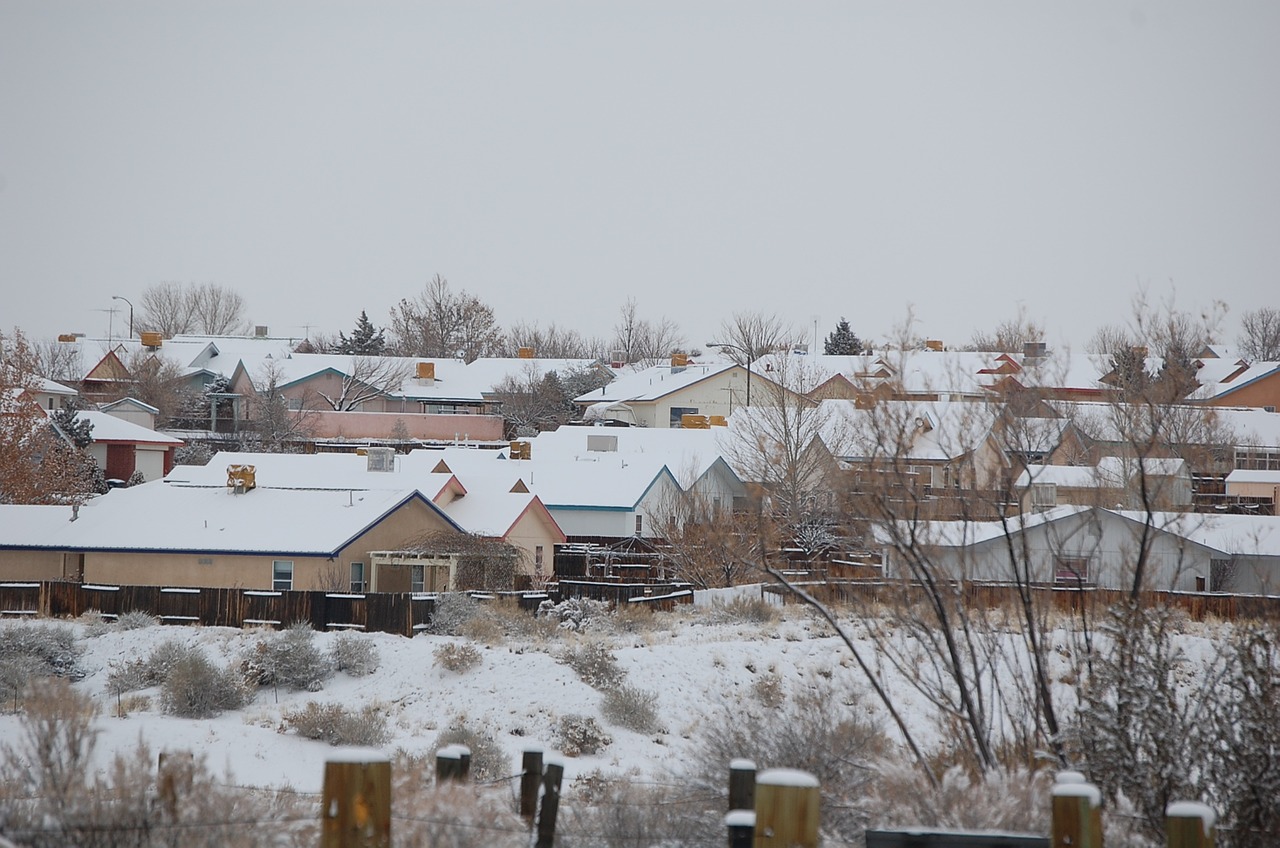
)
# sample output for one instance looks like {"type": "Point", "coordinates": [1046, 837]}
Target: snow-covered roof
{"type": "Point", "coordinates": [322, 471]}
{"type": "Point", "coordinates": [487, 373]}
{"type": "Point", "coordinates": [129, 401]}
{"type": "Point", "coordinates": [1253, 475]}
{"type": "Point", "coordinates": [52, 387]}
{"type": "Point", "coordinates": [495, 513]}
{"type": "Point", "coordinates": [657, 382]}
{"type": "Point", "coordinates": [109, 428]}
{"type": "Point", "coordinates": [1233, 535]}
{"type": "Point", "coordinates": [688, 453]}
{"type": "Point", "coordinates": [157, 517]}
{"type": "Point", "coordinates": [1234, 380]}
{"type": "Point", "coordinates": [937, 430]}
{"type": "Point", "coordinates": [1110, 472]}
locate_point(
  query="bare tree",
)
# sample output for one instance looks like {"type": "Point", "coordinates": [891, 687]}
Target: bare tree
{"type": "Point", "coordinates": [643, 342]}
{"type": "Point", "coordinates": [366, 378]}
{"type": "Point", "coordinates": [173, 308]}
{"type": "Point", "coordinates": [1260, 341]}
{"type": "Point", "coordinates": [1009, 336]}
{"type": "Point", "coordinates": [59, 361]}
{"type": "Point", "coordinates": [278, 427]}
{"type": "Point", "coordinates": [533, 401]}
{"type": "Point", "coordinates": [552, 342]}
{"type": "Point", "coordinates": [746, 336]}
{"type": "Point", "coordinates": [442, 323]}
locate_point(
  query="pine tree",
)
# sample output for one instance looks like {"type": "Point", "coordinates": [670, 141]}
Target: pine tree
{"type": "Point", "coordinates": [843, 341]}
{"type": "Point", "coordinates": [78, 431]}
{"type": "Point", "coordinates": [365, 339]}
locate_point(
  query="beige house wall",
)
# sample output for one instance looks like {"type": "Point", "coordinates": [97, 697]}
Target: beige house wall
{"type": "Point", "coordinates": [531, 531]}
{"type": "Point", "coordinates": [1263, 392]}
{"type": "Point", "coordinates": [37, 565]}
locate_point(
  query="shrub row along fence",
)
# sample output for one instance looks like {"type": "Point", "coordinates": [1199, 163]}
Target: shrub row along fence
{"type": "Point", "coordinates": [391, 612]}
{"type": "Point", "coordinates": [1198, 605]}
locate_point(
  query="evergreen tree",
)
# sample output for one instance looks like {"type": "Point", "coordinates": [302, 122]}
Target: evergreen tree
{"type": "Point", "coordinates": [365, 339]}
{"type": "Point", "coordinates": [842, 341]}
{"type": "Point", "coordinates": [78, 431]}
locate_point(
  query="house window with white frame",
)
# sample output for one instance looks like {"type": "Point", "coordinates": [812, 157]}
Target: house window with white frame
{"type": "Point", "coordinates": [1071, 571]}
{"type": "Point", "coordinates": [639, 524]}
{"type": "Point", "coordinates": [282, 575]}
{"type": "Point", "coordinates": [357, 578]}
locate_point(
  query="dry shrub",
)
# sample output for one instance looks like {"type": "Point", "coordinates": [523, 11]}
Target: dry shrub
{"type": "Point", "coordinates": [48, 649]}
{"type": "Point", "coordinates": [595, 664]}
{"type": "Point", "coordinates": [824, 731]}
{"type": "Point", "coordinates": [354, 654]}
{"type": "Point", "coordinates": [484, 627]}
{"type": "Point", "coordinates": [577, 614]}
{"type": "Point", "coordinates": [741, 609]}
{"type": "Point", "coordinates": [289, 658]}
{"type": "Point", "coordinates": [338, 725]}
{"type": "Point", "coordinates": [488, 760]}
{"type": "Point", "coordinates": [620, 810]}
{"type": "Point", "coordinates": [132, 675]}
{"type": "Point", "coordinates": [137, 620]}
{"type": "Point", "coordinates": [452, 815]}
{"type": "Point", "coordinates": [452, 611]}
{"type": "Point", "coordinates": [457, 657]}
{"type": "Point", "coordinates": [1010, 800]}
{"type": "Point", "coordinates": [768, 690]}
{"type": "Point", "coordinates": [632, 708]}
{"type": "Point", "coordinates": [580, 734]}
{"type": "Point", "coordinates": [53, 797]}
{"type": "Point", "coordinates": [131, 704]}
{"type": "Point", "coordinates": [196, 688]}
{"type": "Point", "coordinates": [634, 618]}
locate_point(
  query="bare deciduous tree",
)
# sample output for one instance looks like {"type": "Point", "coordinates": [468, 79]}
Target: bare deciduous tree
{"type": "Point", "coordinates": [747, 336]}
{"type": "Point", "coordinates": [276, 425]}
{"type": "Point", "coordinates": [366, 378]}
{"type": "Point", "coordinates": [173, 308]}
{"type": "Point", "coordinates": [442, 323]}
{"type": "Point", "coordinates": [552, 342]}
{"type": "Point", "coordinates": [1260, 341]}
{"type": "Point", "coordinates": [642, 342]}
{"type": "Point", "coordinates": [1009, 336]}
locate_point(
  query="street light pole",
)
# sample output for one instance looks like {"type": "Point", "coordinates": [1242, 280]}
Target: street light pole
{"type": "Point", "coordinates": [746, 354]}
{"type": "Point", "coordinates": [126, 300]}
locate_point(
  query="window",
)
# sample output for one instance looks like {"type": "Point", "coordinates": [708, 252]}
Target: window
{"type": "Point", "coordinates": [1071, 572]}
{"type": "Point", "coordinates": [282, 575]}
{"type": "Point", "coordinates": [357, 577]}
{"type": "Point", "coordinates": [678, 411]}
{"type": "Point", "coordinates": [537, 559]}
{"type": "Point", "coordinates": [417, 578]}
{"type": "Point", "coordinates": [1044, 495]}
{"type": "Point", "coordinates": [639, 524]}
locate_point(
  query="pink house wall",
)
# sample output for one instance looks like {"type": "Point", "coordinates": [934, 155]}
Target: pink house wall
{"type": "Point", "coordinates": [381, 425]}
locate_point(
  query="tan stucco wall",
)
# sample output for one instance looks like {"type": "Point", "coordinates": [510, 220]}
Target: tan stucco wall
{"type": "Point", "coordinates": [31, 565]}
{"type": "Point", "coordinates": [252, 571]}
{"type": "Point", "coordinates": [529, 532]}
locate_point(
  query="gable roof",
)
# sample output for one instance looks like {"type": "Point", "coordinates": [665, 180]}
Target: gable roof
{"type": "Point", "coordinates": [109, 428]}
{"type": "Point", "coordinates": [652, 384]}
{"type": "Point", "coordinates": [155, 517]}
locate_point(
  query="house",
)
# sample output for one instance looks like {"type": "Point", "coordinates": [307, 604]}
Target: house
{"type": "Point", "coordinates": [121, 447]}
{"type": "Point", "coordinates": [695, 457]}
{"type": "Point", "coordinates": [662, 395]}
{"type": "Point", "coordinates": [1254, 490]}
{"type": "Point", "coordinates": [265, 539]}
{"type": "Point", "coordinates": [1123, 482]}
{"type": "Point", "coordinates": [485, 505]}
{"type": "Point", "coordinates": [52, 395]}
{"type": "Point", "coordinates": [1082, 545]}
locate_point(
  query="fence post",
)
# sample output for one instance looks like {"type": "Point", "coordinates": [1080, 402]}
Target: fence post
{"type": "Point", "coordinates": [356, 806]}
{"type": "Point", "coordinates": [531, 776]}
{"type": "Point", "coordinates": [550, 803]}
{"type": "Point", "coordinates": [448, 763]}
{"type": "Point", "coordinates": [464, 763]}
{"type": "Point", "coordinates": [742, 828]}
{"type": "Point", "coordinates": [1077, 812]}
{"type": "Point", "coordinates": [1189, 824]}
{"type": "Point", "coordinates": [787, 804]}
{"type": "Point", "coordinates": [742, 785]}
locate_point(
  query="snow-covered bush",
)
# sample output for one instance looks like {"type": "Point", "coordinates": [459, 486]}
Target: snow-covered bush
{"type": "Point", "coordinates": [452, 611]}
{"type": "Point", "coordinates": [824, 730]}
{"type": "Point", "coordinates": [94, 624]}
{"type": "Point", "coordinates": [488, 760]}
{"type": "Point", "coordinates": [575, 613]}
{"type": "Point", "coordinates": [741, 609]}
{"type": "Point", "coordinates": [354, 654]}
{"type": "Point", "coordinates": [289, 658]}
{"type": "Point", "coordinates": [49, 649]}
{"type": "Point", "coordinates": [580, 734]}
{"type": "Point", "coordinates": [195, 688]}
{"type": "Point", "coordinates": [632, 708]}
{"type": "Point", "coordinates": [338, 725]}
{"type": "Point", "coordinates": [137, 620]}
{"type": "Point", "coordinates": [595, 664]}
{"type": "Point", "coordinates": [152, 670]}
{"type": "Point", "coordinates": [192, 453]}
{"type": "Point", "coordinates": [457, 658]}
{"type": "Point", "coordinates": [1001, 799]}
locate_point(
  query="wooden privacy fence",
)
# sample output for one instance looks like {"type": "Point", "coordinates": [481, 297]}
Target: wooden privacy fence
{"type": "Point", "coordinates": [1198, 605]}
{"type": "Point", "coordinates": [626, 593]}
{"type": "Point", "coordinates": [402, 613]}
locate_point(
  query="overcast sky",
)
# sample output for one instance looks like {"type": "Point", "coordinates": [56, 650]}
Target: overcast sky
{"type": "Point", "coordinates": [809, 159]}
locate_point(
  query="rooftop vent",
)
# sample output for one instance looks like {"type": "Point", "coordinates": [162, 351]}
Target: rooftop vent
{"type": "Point", "coordinates": [521, 450]}
{"type": "Point", "coordinates": [152, 341]}
{"type": "Point", "coordinates": [525, 353]}
{"type": "Point", "coordinates": [426, 371]}
{"type": "Point", "coordinates": [380, 459]}
{"type": "Point", "coordinates": [260, 331]}
{"type": "Point", "coordinates": [241, 478]}
{"type": "Point", "coordinates": [933, 344]}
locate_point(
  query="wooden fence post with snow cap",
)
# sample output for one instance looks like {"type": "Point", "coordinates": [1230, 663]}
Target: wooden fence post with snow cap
{"type": "Point", "coordinates": [356, 804]}
{"type": "Point", "coordinates": [787, 807]}
{"type": "Point", "coordinates": [742, 828]}
{"type": "Point", "coordinates": [1077, 812]}
{"type": "Point", "coordinates": [448, 763]}
{"type": "Point", "coordinates": [1189, 824]}
{"type": "Point", "coordinates": [530, 780]}
{"type": "Point", "coordinates": [742, 785]}
{"type": "Point", "coordinates": [550, 802]}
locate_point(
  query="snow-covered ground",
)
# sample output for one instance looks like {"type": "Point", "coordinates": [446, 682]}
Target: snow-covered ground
{"type": "Point", "coordinates": [694, 661]}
